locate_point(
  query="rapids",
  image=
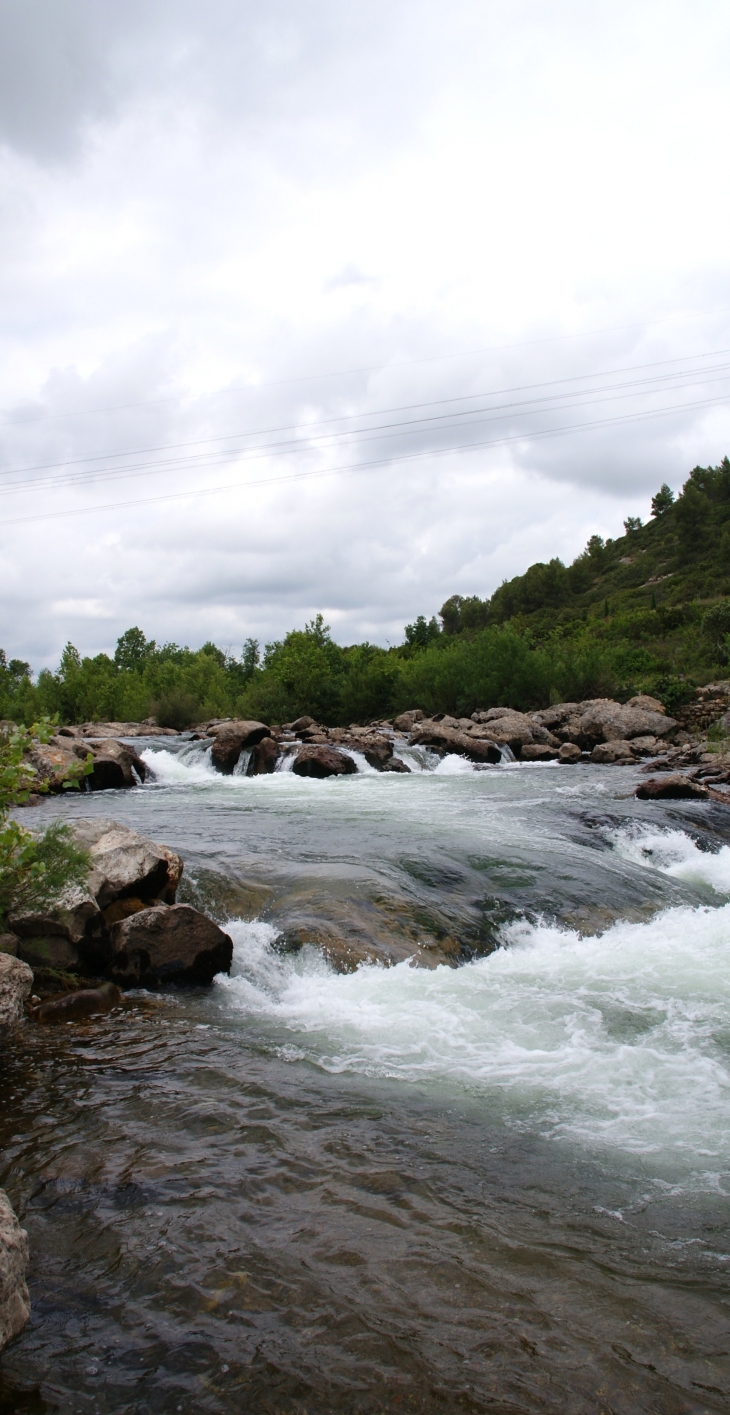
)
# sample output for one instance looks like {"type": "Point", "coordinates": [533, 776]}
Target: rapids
{"type": "Point", "coordinates": [500, 1186]}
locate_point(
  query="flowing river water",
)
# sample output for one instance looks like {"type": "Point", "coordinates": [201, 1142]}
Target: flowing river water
{"type": "Point", "coordinates": [494, 1187]}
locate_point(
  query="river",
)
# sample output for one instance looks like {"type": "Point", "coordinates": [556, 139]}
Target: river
{"type": "Point", "coordinates": [496, 1187]}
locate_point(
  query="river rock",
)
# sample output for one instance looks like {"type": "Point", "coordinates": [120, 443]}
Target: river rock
{"type": "Point", "coordinates": [610, 753]}
{"type": "Point", "coordinates": [53, 764]}
{"type": "Point", "coordinates": [115, 766]}
{"type": "Point", "coordinates": [321, 761]}
{"type": "Point", "coordinates": [16, 981]}
{"type": "Point", "coordinates": [105, 730]}
{"type": "Point", "coordinates": [126, 863]}
{"type": "Point", "coordinates": [302, 724]}
{"type": "Point", "coordinates": [431, 733]}
{"type": "Point", "coordinates": [168, 944]}
{"type": "Point", "coordinates": [231, 738]}
{"type": "Point", "coordinates": [610, 722]}
{"type": "Point", "coordinates": [538, 752]}
{"type": "Point", "coordinates": [405, 721]}
{"type": "Point", "coordinates": [642, 700]}
{"type": "Point", "coordinates": [569, 754]}
{"type": "Point", "coordinates": [672, 787]}
{"type": "Point", "coordinates": [264, 757]}
{"type": "Point", "coordinates": [74, 1006]}
{"type": "Point", "coordinates": [9, 944]}
{"type": "Point", "coordinates": [14, 1297]}
{"type": "Point", "coordinates": [395, 764]}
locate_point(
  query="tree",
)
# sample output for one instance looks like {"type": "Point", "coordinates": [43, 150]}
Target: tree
{"type": "Point", "coordinates": [692, 512]}
{"type": "Point", "coordinates": [422, 633]}
{"type": "Point", "coordinates": [716, 627]}
{"type": "Point", "coordinates": [632, 523]}
{"type": "Point", "coordinates": [133, 650]}
{"type": "Point", "coordinates": [662, 501]}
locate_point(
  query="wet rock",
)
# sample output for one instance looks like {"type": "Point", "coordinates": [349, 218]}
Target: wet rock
{"type": "Point", "coordinates": [320, 761]}
{"type": "Point", "coordinates": [168, 944]}
{"type": "Point", "coordinates": [49, 951]}
{"type": "Point", "coordinates": [103, 730]}
{"type": "Point", "coordinates": [73, 1006]}
{"type": "Point", "coordinates": [672, 787]}
{"type": "Point", "coordinates": [16, 981]}
{"type": "Point", "coordinates": [116, 766]}
{"type": "Point", "coordinates": [569, 754]}
{"type": "Point", "coordinates": [14, 1297]}
{"type": "Point", "coordinates": [406, 720]}
{"type": "Point", "coordinates": [264, 757]}
{"type": "Point", "coordinates": [611, 753]}
{"type": "Point", "coordinates": [126, 863]}
{"type": "Point", "coordinates": [348, 945]}
{"type": "Point", "coordinates": [538, 752]}
{"type": "Point", "coordinates": [431, 733]}
{"type": "Point", "coordinates": [395, 764]}
{"type": "Point", "coordinates": [231, 738]}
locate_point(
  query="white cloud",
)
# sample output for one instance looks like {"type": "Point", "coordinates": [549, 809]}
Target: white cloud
{"type": "Point", "coordinates": [239, 218]}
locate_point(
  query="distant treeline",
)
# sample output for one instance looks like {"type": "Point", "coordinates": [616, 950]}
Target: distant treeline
{"type": "Point", "coordinates": [649, 611]}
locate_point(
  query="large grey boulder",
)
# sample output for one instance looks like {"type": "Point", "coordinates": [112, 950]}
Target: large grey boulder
{"type": "Point", "coordinates": [406, 721]}
{"type": "Point", "coordinates": [14, 1297]}
{"type": "Point", "coordinates": [116, 766]}
{"type": "Point", "coordinates": [231, 738]}
{"type": "Point", "coordinates": [452, 740]}
{"type": "Point", "coordinates": [611, 722]}
{"type": "Point", "coordinates": [168, 944]}
{"type": "Point", "coordinates": [128, 872]}
{"type": "Point", "coordinates": [321, 762]}
{"type": "Point", "coordinates": [16, 981]}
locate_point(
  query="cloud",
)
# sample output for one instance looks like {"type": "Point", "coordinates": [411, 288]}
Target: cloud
{"type": "Point", "coordinates": [425, 294]}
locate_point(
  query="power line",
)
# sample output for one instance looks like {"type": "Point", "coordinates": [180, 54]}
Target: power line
{"type": "Point", "coordinates": [360, 466]}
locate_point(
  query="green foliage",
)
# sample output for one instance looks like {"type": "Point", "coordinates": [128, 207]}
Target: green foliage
{"type": "Point", "coordinates": [422, 633]}
{"type": "Point", "coordinates": [34, 869]}
{"type": "Point", "coordinates": [716, 627]}
{"type": "Point", "coordinates": [662, 501]}
{"type": "Point", "coordinates": [632, 523]}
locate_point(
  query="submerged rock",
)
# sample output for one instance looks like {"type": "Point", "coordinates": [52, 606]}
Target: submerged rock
{"type": "Point", "coordinates": [16, 981]}
{"type": "Point", "coordinates": [73, 1006]}
{"type": "Point", "coordinates": [168, 944]}
{"type": "Point", "coordinates": [320, 761]}
{"type": "Point", "coordinates": [14, 1296]}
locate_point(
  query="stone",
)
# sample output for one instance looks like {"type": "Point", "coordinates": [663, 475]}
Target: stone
{"type": "Point", "coordinates": [14, 1297]}
{"type": "Point", "coordinates": [9, 944]}
{"type": "Point", "coordinates": [672, 787]}
{"type": "Point", "coordinates": [126, 863]}
{"type": "Point", "coordinates": [115, 766]}
{"type": "Point", "coordinates": [538, 752]}
{"type": "Point", "coordinates": [16, 981]}
{"type": "Point", "coordinates": [431, 733]}
{"type": "Point", "coordinates": [606, 721]}
{"type": "Point", "coordinates": [168, 944]}
{"type": "Point", "coordinates": [51, 951]}
{"type": "Point", "coordinates": [569, 754]}
{"type": "Point", "coordinates": [302, 724]}
{"type": "Point", "coordinates": [395, 764]}
{"type": "Point", "coordinates": [73, 1006]}
{"type": "Point", "coordinates": [264, 757]}
{"type": "Point", "coordinates": [322, 761]}
{"type": "Point", "coordinates": [53, 764]}
{"type": "Point", "coordinates": [405, 721]}
{"type": "Point", "coordinates": [610, 753]}
{"type": "Point", "coordinates": [231, 738]}
{"type": "Point", "coordinates": [555, 716]}
{"type": "Point", "coordinates": [644, 745]}
{"type": "Point", "coordinates": [642, 700]}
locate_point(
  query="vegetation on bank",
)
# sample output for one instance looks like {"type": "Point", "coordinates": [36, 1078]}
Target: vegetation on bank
{"type": "Point", "coordinates": [34, 867]}
{"type": "Point", "coordinates": [646, 612]}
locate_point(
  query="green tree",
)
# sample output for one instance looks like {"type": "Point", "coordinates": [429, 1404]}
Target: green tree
{"type": "Point", "coordinates": [662, 501]}
{"type": "Point", "coordinates": [133, 650]}
{"type": "Point", "coordinates": [715, 629]}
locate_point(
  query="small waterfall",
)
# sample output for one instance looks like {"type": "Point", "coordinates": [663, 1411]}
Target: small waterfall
{"type": "Point", "coordinates": [507, 753]}
{"type": "Point", "coordinates": [286, 762]}
{"type": "Point", "coordinates": [243, 763]}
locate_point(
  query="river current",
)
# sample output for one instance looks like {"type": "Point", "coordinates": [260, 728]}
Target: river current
{"type": "Point", "coordinates": [500, 1186]}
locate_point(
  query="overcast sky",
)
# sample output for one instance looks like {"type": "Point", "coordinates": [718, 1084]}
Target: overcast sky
{"type": "Point", "coordinates": [345, 307]}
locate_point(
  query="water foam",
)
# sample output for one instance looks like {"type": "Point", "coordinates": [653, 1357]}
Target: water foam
{"type": "Point", "coordinates": [675, 854]}
{"type": "Point", "coordinates": [620, 1040]}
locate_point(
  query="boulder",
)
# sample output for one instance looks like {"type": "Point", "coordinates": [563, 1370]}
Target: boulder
{"type": "Point", "coordinates": [9, 944]}
{"type": "Point", "coordinates": [323, 761]}
{"type": "Point", "coordinates": [168, 944]}
{"type": "Point", "coordinates": [512, 729]}
{"type": "Point", "coordinates": [231, 738]}
{"type": "Point", "coordinates": [606, 721]}
{"type": "Point", "coordinates": [14, 1298]}
{"type": "Point", "coordinates": [569, 754]}
{"type": "Point", "coordinates": [554, 717]}
{"type": "Point", "coordinates": [49, 951]}
{"type": "Point", "coordinates": [538, 752]}
{"type": "Point", "coordinates": [302, 724]}
{"type": "Point", "coordinates": [264, 757]}
{"type": "Point", "coordinates": [610, 753]}
{"type": "Point", "coordinates": [74, 1006]}
{"type": "Point", "coordinates": [125, 863]}
{"type": "Point", "coordinates": [115, 766]}
{"type": "Point", "coordinates": [16, 981]}
{"type": "Point", "coordinates": [395, 764]}
{"type": "Point", "coordinates": [54, 764]}
{"type": "Point", "coordinates": [405, 721]}
{"type": "Point", "coordinates": [642, 700]}
{"type": "Point", "coordinates": [431, 733]}
{"type": "Point", "coordinates": [672, 787]}
{"type": "Point", "coordinates": [104, 730]}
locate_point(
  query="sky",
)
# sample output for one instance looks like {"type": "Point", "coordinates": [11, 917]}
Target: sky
{"type": "Point", "coordinates": [345, 308]}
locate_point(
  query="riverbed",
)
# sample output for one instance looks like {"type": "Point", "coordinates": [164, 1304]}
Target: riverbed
{"type": "Point", "coordinates": [500, 1186]}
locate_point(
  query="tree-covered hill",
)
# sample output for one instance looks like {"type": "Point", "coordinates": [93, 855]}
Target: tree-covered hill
{"type": "Point", "coordinates": [647, 612]}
